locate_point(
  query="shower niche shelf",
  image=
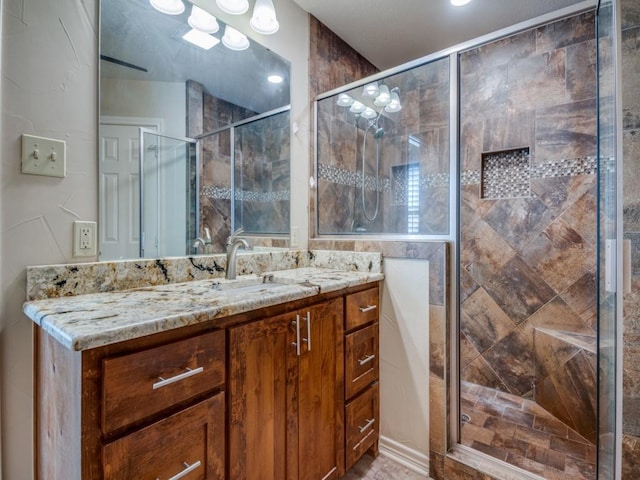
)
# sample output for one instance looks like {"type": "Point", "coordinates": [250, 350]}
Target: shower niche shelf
{"type": "Point", "coordinates": [506, 174]}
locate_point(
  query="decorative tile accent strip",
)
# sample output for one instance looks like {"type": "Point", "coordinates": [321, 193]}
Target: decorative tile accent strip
{"type": "Point", "coordinates": [352, 179]}
{"type": "Point", "coordinates": [262, 197]}
{"type": "Point", "coordinates": [219, 193]}
{"type": "Point", "coordinates": [223, 193]}
{"type": "Point", "coordinates": [434, 180]}
{"type": "Point", "coordinates": [566, 168]}
{"type": "Point", "coordinates": [506, 174]}
{"type": "Point", "coordinates": [561, 168]}
{"type": "Point", "coordinates": [470, 177]}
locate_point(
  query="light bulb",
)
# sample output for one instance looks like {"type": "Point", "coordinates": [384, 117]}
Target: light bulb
{"type": "Point", "coordinates": [394, 104]}
{"type": "Point", "coordinates": [357, 107]}
{"type": "Point", "coordinates": [264, 18]}
{"type": "Point", "coordinates": [383, 97]}
{"type": "Point", "coordinates": [170, 7]}
{"type": "Point", "coordinates": [459, 3]}
{"type": "Point", "coordinates": [234, 40]}
{"type": "Point", "coordinates": [275, 78]}
{"type": "Point", "coordinates": [202, 20]}
{"type": "Point", "coordinates": [371, 90]}
{"type": "Point", "coordinates": [233, 7]}
{"type": "Point", "coordinates": [344, 100]}
{"type": "Point", "coordinates": [369, 113]}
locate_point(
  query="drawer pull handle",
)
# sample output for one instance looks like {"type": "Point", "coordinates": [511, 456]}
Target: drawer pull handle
{"type": "Point", "coordinates": [367, 425]}
{"type": "Point", "coordinates": [296, 344]}
{"type": "Point", "coordinates": [307, 339]}
{"type": "Point", "coordinates": [187, 469]}
{"type": "Point", "coordinates": [368, 308]}
{"type": "Point", "coordinates": [366, 359]}
{"type": "Point", "coordinates": [189, 373]}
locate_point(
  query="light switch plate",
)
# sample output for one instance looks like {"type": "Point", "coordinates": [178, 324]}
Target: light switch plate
{"type": "Point", "coordinates": [43, 156]}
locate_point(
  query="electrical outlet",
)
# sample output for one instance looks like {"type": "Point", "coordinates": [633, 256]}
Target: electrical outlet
{"type": "Point", "coordinates": [84, 239]}
{"type": "Point", "coordinates": [295, 237]}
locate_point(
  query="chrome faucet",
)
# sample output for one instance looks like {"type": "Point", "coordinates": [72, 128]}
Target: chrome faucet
{"type": "Point", "coordinates": [204, 242]}
{"type": "Point", "coordinates": [234, 242]}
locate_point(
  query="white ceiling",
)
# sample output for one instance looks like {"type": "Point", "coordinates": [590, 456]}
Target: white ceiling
{"type": "Point", "coordinates": [392, 32]}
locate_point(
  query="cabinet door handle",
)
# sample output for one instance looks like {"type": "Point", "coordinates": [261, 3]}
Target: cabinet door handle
{"type": "Point", "coordinates": [366, 359]}
{"type": "Point", "coordinates": [296, 344]}
{"type": "Point", "coordinates": [368, 308]}
{"type": "Point", "coordinates": [307, 339]}
{"type": "Point", "coordinates": [189, 373]}
{"type": "Point", "coordinates": [367, 425]}
{"type": "Point", "coordinates": [187, 470]}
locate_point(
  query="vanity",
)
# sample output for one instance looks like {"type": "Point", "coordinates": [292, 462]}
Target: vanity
{"type": "Point", "coordinates": [270, 376]}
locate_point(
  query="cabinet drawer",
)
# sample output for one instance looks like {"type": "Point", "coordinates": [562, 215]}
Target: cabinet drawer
{"type": "Point", "coordinates": [138, 385]}
{"type": "Point", "coordinates": [361, 359]}
{"type": "Point", "coordinates": [362, 424]}
{"type": "Point", "coordinates": [362, 308]}
{"type": "Point", "coordinates": [187, 445]}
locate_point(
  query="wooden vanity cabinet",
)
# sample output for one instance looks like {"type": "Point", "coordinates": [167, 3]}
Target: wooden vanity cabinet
{"type": "Point", "coordinates": [152, 408]}
{"type": "Point", "coordinates": [286, 397]}
{"type": "Point", "coordinates": [362, 371]}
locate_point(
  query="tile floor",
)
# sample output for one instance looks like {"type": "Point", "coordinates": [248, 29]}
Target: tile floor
{"type": "Point", "coordinates": [381, 468]}
{"type": "Point", "coordinates": [523, 434]}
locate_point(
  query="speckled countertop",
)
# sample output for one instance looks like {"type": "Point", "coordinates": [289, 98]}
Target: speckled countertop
{"type": "Point", "coordinates": [92, 320]}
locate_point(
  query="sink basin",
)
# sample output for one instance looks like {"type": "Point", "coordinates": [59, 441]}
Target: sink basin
{"type": "Point", "coordinates": [237, 287]}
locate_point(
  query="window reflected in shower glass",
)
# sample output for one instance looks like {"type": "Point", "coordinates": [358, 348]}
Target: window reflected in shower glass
{"type": "Point", "coordinates": [386, 172]}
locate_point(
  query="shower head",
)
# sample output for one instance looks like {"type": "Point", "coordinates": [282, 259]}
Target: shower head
{"type": "Point", "coordinates": [379, 133]}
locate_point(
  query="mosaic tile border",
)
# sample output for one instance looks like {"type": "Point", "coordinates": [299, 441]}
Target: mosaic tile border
{"type": "Point", "coordinates": [569, 167]}
{"type": "Point", "coordinates": [342, 176]}
{"type": "Point", "coordinates": [224, 193]}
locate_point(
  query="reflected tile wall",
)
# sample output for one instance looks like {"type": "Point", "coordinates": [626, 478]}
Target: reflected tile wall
{"type": "Point", "coordinates": [522, 257]}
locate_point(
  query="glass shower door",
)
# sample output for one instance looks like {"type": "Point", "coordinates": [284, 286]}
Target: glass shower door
{"type": "Point", "coordinates": [168, 200]}
{"type": "Point", "coordinates": [609, 239]}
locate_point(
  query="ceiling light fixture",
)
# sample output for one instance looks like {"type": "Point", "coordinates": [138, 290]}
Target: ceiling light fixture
{"type": "Point", "coordinates": [344, 100]}
{"type": "Point", "coordinates": [264, 18]}
{"type": "Point", "coordinates": [234, 40]}
{"type": "Point", "coordinates": [170, 7]}
{"type": "Point", "coordinates": [459, 3]}
{"type": "Point", "coordinates": [275, 78]}
{"type": "Point", "coordinates": [233, 7]}
{"type": "Point", "coordinates": [201, 39]}
{"type": "Point", "coordinates": [202, 20]}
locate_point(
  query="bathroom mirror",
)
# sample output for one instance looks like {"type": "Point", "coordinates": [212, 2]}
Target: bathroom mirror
{"type": "Point", "coordinates": [151, 78]}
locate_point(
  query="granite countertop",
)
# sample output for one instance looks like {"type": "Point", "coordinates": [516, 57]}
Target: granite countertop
{"type": "Point", "coordinates": [96, 319]}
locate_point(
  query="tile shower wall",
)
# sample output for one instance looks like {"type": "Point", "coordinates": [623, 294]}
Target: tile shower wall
{"type": "Point", "coordinates": [416, 137]}
{"type": "Point", "coordinates": [631, 219]}
{"type": "Point", "coordinates": [528, 254]}
{"type": "Point", "coordinates": [204, 114]}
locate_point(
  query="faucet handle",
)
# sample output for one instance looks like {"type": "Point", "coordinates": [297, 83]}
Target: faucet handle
{"type": "Point", "coordinates": [207, 235]}
{"type": "Point", "coordinates": [233, 236]}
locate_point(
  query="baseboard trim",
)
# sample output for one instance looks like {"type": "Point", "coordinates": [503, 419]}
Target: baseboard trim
{"type": "Point", "coordinates": [405, 456]}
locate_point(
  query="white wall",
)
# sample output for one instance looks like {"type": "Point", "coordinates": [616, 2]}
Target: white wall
{"type": "Point", "coordinates": [49, 88]}
{"type": "Point", "coordinates": [165, 100]}
{"type": "Point", "coordinates": [404, 361]}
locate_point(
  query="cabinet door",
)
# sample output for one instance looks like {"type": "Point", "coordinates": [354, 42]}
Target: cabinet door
{"type": "Point", "coordinates": [320, 392]}
{"type": "Point", "coordinates": [262, 372]}
{"type": "Point", "coordinates": [188, 444]}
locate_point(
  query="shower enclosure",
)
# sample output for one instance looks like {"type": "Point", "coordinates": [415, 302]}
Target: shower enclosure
{"type": "Point", "coordinates": [517, 121]}
{"type": "Point", "coordinates": [383, 155]}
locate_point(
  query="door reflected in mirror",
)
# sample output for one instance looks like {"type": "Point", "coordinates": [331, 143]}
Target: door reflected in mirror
{"type": "Point", "coordinates": [219, 159]}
